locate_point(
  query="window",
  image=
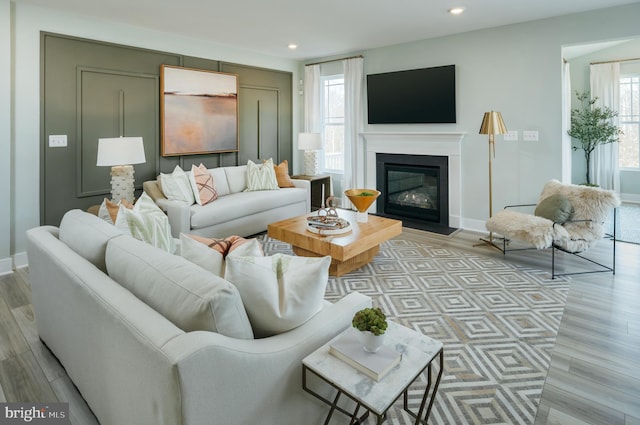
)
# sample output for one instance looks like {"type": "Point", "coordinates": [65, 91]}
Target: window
{"type": "Point", "coordinates": [629, 116]}
{"type": "Point", "coordinates": [333, 123]}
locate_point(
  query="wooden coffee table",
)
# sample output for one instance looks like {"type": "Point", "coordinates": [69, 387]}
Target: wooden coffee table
{"type": "Point", "coordinates": [348, 251]}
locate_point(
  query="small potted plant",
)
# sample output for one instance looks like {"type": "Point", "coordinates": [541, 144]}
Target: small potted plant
{"type": "Point", "coordinates": [372, 323]}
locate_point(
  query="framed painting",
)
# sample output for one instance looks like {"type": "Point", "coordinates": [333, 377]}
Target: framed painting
{"type": "Point", "coordinates": [199, 111]}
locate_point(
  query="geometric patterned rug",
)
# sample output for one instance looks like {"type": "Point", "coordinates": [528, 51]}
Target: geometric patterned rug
{"type": "Point", "coordinates": [498, 323]}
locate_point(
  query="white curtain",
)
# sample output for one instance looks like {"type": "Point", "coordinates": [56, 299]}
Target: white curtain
{"type": "Point", "coordinates": [605, 85]}
{"type": "Point", "coordinates": [566, 123]}
{"type": "Point", "coordinates": [353, 124]}
{"type": "Point", "coordinates": [312, 105]}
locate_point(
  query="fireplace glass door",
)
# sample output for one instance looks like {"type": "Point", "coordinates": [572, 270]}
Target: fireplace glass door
{"type": "Point", "coordinates": [412, 192]}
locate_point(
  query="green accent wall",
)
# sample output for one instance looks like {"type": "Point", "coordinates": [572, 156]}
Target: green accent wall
{"type": "Point", "coordinates": [92, 89]}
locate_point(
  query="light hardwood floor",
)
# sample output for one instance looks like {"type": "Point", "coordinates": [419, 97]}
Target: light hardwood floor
{"type": "Point", "coordinates": [594, 376]}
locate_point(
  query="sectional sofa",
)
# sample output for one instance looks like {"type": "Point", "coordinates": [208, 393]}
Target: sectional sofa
{"type": "Point", "coordinates": [145, 335]}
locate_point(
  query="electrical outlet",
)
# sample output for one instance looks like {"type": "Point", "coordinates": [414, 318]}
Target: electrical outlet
{"type": "Point", "coordinates": [57, 140]}
{"type": "Point", "coordinates": [530, 136]}
{"type": "Point", "coordinates": [511, 136]}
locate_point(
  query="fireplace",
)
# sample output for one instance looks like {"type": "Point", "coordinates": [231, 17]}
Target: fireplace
{"type": "Point", "coordinates": [414, 189]}
{"type": "Point", "coordinates": [417, 145]}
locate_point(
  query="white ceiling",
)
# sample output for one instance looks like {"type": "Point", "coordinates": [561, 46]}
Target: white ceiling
{"type": "Point", "coordinates": [320, 28]}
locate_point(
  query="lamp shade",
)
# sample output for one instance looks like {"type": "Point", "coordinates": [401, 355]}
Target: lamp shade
{"type": "Point", "coordinates": [309, 141]}
{"type": "Point", "coordinates": [120, 151]}
{"type": "Point", "coordinates": [492, 123]}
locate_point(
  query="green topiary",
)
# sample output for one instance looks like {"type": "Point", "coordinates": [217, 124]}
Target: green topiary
{"type": "Point", "coordinates": [370, 319]}
{"type": "Point", "coordinates": [591, 126]}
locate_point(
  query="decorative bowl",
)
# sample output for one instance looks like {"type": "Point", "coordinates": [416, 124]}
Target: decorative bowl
{"type": "Point", "coordinates": [362, 198]}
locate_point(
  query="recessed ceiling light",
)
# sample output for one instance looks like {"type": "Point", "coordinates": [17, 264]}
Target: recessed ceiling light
{"type": "Point", "coordinates": [292, 46]}
{"type": "Point", "coordinates": [456, 10]}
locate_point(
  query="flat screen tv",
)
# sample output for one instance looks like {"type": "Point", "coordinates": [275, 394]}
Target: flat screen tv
{"type": "Point", "coordinates": [416, 96]}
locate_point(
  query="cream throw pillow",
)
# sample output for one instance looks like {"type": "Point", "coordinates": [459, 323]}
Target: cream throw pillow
{"type": "Point", "coordinates": [279, 292]}
{"type": "Point", "coordinates": [261, 176]}
{"type": "Point", "coordinates": [146, 222]}
{"type": "Point", "coordinates": [176, 186]}
{"type": "Point", "coordinates": [211, 259]}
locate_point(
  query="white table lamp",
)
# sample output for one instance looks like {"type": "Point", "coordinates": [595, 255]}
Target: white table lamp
{"type": "Point", "coordinates": [120, 153]}
{"type": "Point", "coordinates": [310, 143]}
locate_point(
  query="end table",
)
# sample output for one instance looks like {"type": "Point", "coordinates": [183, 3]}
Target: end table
{"type": "Point", "coordinates": [317, 182]}
{"type": "Point", "coordinates": [418, 354]}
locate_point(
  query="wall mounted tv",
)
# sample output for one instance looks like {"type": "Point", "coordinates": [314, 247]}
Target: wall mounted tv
{"type": "Point", "coordinates": [416, 96]}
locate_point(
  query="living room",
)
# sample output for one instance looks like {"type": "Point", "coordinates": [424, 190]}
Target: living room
{"type": "Point", "coordinates": [515, 69]}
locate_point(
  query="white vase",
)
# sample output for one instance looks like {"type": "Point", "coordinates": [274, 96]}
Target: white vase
{"type": "Point", "coordinates": [370, 342]}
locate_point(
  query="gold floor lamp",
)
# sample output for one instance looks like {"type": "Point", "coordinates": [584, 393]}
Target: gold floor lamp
{"type": "Point", "coordinates": [492, 124]}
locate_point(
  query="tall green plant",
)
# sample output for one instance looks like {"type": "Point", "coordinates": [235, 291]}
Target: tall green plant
{"type": "Point", "coordinates": [591, 126]}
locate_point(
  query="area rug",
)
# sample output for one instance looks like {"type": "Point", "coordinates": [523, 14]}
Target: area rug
{"type": "Point", "coordinates": [498, 323]}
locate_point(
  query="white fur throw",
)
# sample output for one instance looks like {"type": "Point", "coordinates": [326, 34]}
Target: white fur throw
{"type": "Point", "coordinates": [537, 231]}
{"type": "Point", "coordinates": [589, 203]}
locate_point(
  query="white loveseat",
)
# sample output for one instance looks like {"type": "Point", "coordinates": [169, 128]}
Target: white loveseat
{"type": "Point", "coordinates": [235, 212]}
{"type": "Point", "coordinates": [135, 366]}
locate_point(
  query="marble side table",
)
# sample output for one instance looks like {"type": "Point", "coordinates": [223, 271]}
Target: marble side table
{"type": "Point", "coordinates": [418, 354]}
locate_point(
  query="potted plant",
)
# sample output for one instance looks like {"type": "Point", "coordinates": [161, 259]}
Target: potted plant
{"type": "Point", "coordinates": [372, 323]}
{"type": "Point", "coordinates": [592, 127]}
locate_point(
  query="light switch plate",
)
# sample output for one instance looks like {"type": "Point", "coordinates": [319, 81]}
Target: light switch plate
{"type": "Point", "coordinates": [511, 136]}
{"type": "Point", "coordinates": [57, 140]}
{"type": "Point", "coordinates": [530, 136]}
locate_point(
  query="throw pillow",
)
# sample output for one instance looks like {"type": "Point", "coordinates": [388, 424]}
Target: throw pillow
{"type": "Point", "coordinates": [202, 185]}
{"type": "Point", "coordinates": [176, 186]}
{"type": "Point", "coordinates": [556, 208]}
{"type": "Point", "coordinates": [108, 210]}
{"type": "Point", "coordinates": [261, 176]}
{"type": "Point", "coordinates": [279, 292]}
{"type": "Point", "coordinates": [282, 174]}
{"type": "Point", "coordinates": [210, 254]}
{"type": "Point", "coordinates": [146, 222]}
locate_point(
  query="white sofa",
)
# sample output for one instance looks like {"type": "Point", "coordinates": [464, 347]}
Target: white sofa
{"type": "Point", "coordinates": [235, 212]}
{"type": "Point", "coordinates": [135, 366]}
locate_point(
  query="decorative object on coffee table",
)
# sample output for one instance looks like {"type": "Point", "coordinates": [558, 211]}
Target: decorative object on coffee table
{"type": "Point", "coordinates": [371, 322]}
{"type": "Point", "coordinates": [362, 200]}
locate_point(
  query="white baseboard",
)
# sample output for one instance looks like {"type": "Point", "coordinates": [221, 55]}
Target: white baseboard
{"type": "Point", "coordinates": [20, 260]}
{"type": "Point", "coordinates": [6, 266]}
{"type": "Point", "coordinates": [630, 197]}
{"type": "Point", "coordinates": [17, 261]}
{"type": "Point", "coordinates": [474, 225]}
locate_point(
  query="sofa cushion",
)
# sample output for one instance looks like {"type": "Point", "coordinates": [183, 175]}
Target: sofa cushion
{"type": "Point", "coordinates": [210, 254]}
{"type": "Point", "coordinates": [87, 235]}
{"type": "Point", "coordinates": [556, 208]}
{"type": "Point", "coordinates": [176, 186]}
{"type": "Point", "coordinates": [202, 184]}
{"type": "Point", "coordinates": [236, 178]}
{"type": "Point", "coordinates": [190, 297]}
{"type": "Point", "coordinates": [282, 174]}
{"type": "Point", "coordinates": [108, 210]}
{"type": "Point", "coordinates": [279, 292]}
{"type": "Point", "coordinates": [146, 222]}
{"type": "Point", "coordinates": [261, 176]}
{"type": "Point", "coordinates": [220, 180]}
{"type": "Point", "coordinates": [236, 205]}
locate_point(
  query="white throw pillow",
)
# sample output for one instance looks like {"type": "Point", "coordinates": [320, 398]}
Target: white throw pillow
{"type": "Point", "coordinates": [261, 176]}
{"type": "Point", "coordinates": [176, 186]}
{"type": "Point", "coordinates": [279, 292]}
{"type": "Point", "coordinates": [146, 222]}
{"type": "Point", "coordinates": [211, 259]}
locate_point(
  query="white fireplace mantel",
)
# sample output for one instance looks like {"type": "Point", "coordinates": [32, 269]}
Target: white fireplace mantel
{"type": "Point", "coordinates": [447, 144]}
